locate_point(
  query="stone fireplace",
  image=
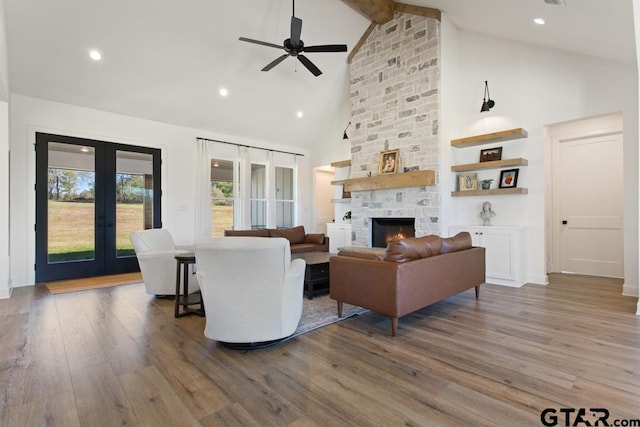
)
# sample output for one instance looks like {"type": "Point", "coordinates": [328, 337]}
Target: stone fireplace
{"type": "Point", "coordinates": [385, 229]}
{"type": "Point", "coordinates": [395, 103]}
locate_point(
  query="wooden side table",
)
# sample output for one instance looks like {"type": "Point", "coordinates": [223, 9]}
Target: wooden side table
{"type": "Point", "coordinates": [185, 300]}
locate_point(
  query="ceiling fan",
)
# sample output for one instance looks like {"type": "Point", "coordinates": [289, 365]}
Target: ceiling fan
{"type": "Point", "coordinates": [295, 47]}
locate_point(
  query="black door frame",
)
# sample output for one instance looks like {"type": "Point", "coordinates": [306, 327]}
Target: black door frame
{"type": "Point", "coordinates": [105, 261]}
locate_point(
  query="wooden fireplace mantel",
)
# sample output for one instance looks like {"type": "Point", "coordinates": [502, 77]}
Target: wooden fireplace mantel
{"type": "Point", "coordinates": [384, 182]}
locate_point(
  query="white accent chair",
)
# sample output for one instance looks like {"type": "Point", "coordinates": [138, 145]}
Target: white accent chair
{"type": "Point", "coordinates": [251, 288]}
{"type": "Point", "coordinates": [156, 251]}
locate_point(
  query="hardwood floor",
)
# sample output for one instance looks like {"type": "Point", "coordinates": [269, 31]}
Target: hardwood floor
{"type": "Point", "coordinates": [117, 356]}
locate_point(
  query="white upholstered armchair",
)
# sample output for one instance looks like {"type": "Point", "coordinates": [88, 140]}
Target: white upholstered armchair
{"type": "Point", "coordinates": [251, 288]}
{"type": "Point", "coordinates": [156, 251]}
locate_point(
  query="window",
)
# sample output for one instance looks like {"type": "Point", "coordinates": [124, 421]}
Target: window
{"type": "Point", "coordinates": [258, 196]}
{"type": "Point", "coordinates": [221, 196]}
{"type": "Point", "coordinates": [284, 197]}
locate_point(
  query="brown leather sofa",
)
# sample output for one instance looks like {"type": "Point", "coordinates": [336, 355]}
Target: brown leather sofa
{"type": "Point", "coordinates": [408, 275]}
{"type": "Point", "coordinates": [299, 240]}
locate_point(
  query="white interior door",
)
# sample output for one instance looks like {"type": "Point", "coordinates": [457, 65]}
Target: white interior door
{"type": "Point", "coordinates": [589, 182]}
{"type": "Point", "coordinates": [323, 209]}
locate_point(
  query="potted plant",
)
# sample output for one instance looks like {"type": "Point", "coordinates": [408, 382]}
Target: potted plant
{"type": "Point", "coordinates": [486, 184]}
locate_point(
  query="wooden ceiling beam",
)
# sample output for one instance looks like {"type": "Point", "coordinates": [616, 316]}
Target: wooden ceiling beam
{"type": "Point", "coordinates": [418, 10]}
{"type": "Point", "coordinates": [379, 11]}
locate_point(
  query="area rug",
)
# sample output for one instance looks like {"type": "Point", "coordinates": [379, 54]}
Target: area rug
{"type": "Point", "coordinates": [62, 286]}
{"type": "Point", "coordinates": [322, 311]}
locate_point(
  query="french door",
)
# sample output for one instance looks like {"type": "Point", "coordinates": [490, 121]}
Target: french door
{"type": "Point", "coordinates": [90, 196]}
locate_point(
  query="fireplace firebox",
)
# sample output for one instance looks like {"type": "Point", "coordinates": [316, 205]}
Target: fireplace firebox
{"type": "Point", "coordinates": [385, 229]}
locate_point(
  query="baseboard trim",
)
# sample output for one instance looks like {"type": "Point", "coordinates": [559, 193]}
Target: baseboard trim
{"type": "Point", "coordinates": [629, 290]}
{"type": "Point", "coordinates": [5, 293]}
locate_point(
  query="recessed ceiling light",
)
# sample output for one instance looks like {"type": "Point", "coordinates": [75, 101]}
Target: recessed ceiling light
{"type": "Point", "coordinates": [95, 55]}
{"type": "Point", "coordinates": [299, 114]}
{"type": "Point", "coordinates": [223, 92]}
{"type": "Point", "coordinates": [539, 21]}
{"type": "Point", "coordinates": [85, 149]}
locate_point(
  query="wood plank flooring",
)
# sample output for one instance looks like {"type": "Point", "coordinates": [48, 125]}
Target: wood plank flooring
{"type": "Point", "coordinates": [116, 356]}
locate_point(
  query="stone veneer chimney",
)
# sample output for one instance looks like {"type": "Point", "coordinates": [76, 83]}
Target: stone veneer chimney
{"type": "Point", "coordinates": [394, 83]}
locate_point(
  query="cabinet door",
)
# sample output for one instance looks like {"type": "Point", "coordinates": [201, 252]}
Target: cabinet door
{"type": "Point", "coordinates": [337, 237]}
{"type": "Point", "coordinates": [499, 253]}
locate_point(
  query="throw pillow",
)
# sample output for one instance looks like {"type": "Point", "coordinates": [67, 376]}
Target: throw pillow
{"type": "Point", "coordinates": [459, 242]}
{"type": "Point", "coordinates": [316, 239]}
{"type": "Point", "coordinates": [294, 234]}
{"type": "Point", "coordinates": [412, 248]}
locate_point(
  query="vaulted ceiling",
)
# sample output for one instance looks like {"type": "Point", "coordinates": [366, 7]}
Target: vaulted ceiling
{"type": "Point", "coordinates": [166, 60]}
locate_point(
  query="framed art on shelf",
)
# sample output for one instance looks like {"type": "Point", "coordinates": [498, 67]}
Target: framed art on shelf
{"type": "Point", "coordinates": [491, 154]}
{"type": "Point", "coordinates": [468, 181]}
{"type": "Point", "coordinates": [388, 162]}
{"type": "Point", "coordinates": [508, 178]}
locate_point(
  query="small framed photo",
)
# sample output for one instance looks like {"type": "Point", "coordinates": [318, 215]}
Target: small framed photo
{"type": "Point", "coordinates": [491, 154]}
{"type": "Point", "coordinates": [388, 162]}
{"type": "Point", "coordinates": [508, 178]}
{"type": "Point", "coordinates": [468, 181]}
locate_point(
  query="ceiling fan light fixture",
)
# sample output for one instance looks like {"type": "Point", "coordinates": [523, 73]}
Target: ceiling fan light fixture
{"type": "Point", "coordinates": [294, 46]}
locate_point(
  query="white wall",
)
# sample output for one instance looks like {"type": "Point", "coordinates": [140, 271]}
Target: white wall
{"type": "Point", "coordinates": [5, 288]}
{"type": "Point", "coordinates": [532, 87]}
{"type": "Point", "coordinates": [178, 145]}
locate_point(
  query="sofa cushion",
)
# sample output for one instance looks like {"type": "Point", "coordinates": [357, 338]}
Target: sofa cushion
{"type": "Point", "coordinates": [294, 234]}
{"type": "Point", "coordinates": [412, 248]}
{"type": "Point", "coordinates": [262, 232]}
{"type": "Point", "coordinates": [316, 239]}
{"type": "Point", "coordinates": [459, 242]}
{"type": "Point", "coordinates": [366, 253]}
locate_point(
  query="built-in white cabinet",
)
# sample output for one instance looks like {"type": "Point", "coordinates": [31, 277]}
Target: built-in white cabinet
{"type": "Point", "coordinates": [505, 251]}
{"type": "Point", "coordinates": [339, 236]}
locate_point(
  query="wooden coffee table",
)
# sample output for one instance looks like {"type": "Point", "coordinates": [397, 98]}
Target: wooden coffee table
{"type": "Point", "coordinates": [316, 272]}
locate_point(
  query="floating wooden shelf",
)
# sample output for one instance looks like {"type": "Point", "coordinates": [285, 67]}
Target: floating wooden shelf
{"type": "Point", "coordinates": [494, 192]}
{"type": "Point", "coordinates": [341, 164]}
{"type": "Point", "coordinates": [496, 164]}
{"type": "Point", "coordinates": [488, 138]}
{"type": "Point", "coordinates": [383, 182]}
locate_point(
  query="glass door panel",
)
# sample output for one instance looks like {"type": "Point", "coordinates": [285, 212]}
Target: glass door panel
{"type": "Point", "coordinates": [134, 197]}
{"type": "Point", "coordinates": [71, 208]}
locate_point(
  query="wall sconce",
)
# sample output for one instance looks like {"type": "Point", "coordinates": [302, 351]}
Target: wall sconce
{"type": "Point", "coordinates": [487, 102]}
{"type": "Point", "coordinates": [345, 137]}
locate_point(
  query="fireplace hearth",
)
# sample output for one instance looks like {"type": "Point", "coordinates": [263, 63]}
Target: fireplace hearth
{"type": "Point", "coordinates": [385, 229]}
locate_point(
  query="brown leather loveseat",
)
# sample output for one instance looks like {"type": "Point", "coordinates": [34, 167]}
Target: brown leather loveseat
{"type": "Point", "coordinates": [410, 274]}
{"type": "Point", "coordinates": [299, 240]}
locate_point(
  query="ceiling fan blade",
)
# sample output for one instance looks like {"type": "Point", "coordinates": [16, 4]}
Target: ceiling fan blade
{"type": "Point", "coordinates": [275, 62]}
{"type": "Point", "coordinates": [326, 48]}
{"type": "Point", "coordinates": [310, 65]}
{"type": "Point", "coordinates": [244, 39]}
{"type": "Point", "coordinates": [296, 29]}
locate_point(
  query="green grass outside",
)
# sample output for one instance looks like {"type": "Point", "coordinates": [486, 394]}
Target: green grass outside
{"type": "Point", "coordinates": [71, 228]}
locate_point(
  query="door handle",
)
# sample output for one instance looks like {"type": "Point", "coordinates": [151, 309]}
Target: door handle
{"type": "Point", "coordinates": [564, 222]}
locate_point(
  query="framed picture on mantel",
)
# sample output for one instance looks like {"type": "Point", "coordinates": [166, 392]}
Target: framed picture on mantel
{"type": "Point", "coordinates": [388, 162]}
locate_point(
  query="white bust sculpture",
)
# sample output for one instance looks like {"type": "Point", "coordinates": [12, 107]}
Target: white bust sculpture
{"type": "Point", "coordinates": [486, 213]}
